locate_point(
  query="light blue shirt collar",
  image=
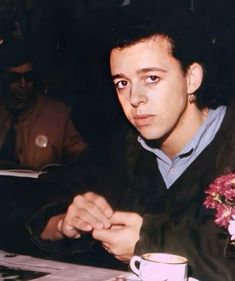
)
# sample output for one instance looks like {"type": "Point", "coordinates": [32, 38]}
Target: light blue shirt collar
{"type": "Point", "coordinates": [171, 169]}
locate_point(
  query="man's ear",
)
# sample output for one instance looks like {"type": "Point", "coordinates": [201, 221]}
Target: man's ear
{"type": "Point", "coordinates": [194, 77]}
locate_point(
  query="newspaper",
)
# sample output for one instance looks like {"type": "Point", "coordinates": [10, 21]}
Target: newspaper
{"type": "Point", "coordinates": [25, 268]}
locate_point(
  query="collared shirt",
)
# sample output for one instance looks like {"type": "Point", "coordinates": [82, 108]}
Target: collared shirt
{"type": "Point", "coordinates": [171, 169]}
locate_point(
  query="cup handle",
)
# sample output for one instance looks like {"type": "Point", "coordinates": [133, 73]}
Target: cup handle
{"type": "Point", "coordinates": [133, 266]}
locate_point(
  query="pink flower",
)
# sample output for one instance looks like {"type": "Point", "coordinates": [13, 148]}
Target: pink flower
{"type": "Point", "coordinates": [221, 198]}
{"type": "Point", "coordinates": [223, 215]}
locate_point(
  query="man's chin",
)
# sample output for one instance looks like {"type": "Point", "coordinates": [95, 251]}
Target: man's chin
{"type": "Point", "coordinates": [151, 133]}
{"type": "Point", "coordinates": [148, 135]}
{"type": "Point", "coordinates": [19, 107]}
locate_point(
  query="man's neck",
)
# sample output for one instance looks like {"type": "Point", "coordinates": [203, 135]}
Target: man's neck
{"type": "Point", "coordinates": [186, 128]}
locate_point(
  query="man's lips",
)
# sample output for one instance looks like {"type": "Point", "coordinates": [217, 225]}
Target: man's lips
{"type": "Point", "coordinates": [143, 119]}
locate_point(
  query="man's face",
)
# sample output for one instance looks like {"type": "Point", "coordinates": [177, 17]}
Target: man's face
{"type": "Point", "coordinates": [21, 84]}
{"type": "Point", "coordinates": [151, 87]}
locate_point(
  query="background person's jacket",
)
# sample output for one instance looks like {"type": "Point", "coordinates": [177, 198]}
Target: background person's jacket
{"type": "Point", "coordinates": [45, 134]}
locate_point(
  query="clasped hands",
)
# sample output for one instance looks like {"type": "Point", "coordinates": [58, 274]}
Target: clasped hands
{"type": "Point", "coordinates": [117, 231]}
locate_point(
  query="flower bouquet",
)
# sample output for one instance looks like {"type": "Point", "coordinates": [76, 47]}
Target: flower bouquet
{"type": "Point", "coordinates": [221, 197]}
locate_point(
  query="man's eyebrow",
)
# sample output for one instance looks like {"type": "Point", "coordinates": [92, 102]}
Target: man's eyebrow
{"type": "Point", "coordinates": [140, 71]}
{"type": "Point", "coordinates": [148, 69]}
{"type": "Point", "coordinates": [118, 76]}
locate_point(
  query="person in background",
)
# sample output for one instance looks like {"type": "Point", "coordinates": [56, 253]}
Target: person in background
{"type": "Point", "coordinates": [35, 130]}
{"type": "Point", "coordinates": [174, 88]}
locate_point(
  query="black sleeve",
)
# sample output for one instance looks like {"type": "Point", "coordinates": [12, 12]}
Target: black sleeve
{"type": "Point", "coordinates": [62, 247]}
{"type": "Point", "coordinates": [203, 243]}
{"type": "Point", "coordinates": [56, 191]}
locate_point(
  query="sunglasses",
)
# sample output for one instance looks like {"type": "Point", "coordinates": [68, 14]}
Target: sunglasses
{"type": "Point", "coordinates": [15, 77]}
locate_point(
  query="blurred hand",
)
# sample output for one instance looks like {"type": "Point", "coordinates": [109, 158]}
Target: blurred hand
{"type": "Point", "coordinates": [87, 212]}
{"type": "Point", "coordinates": [121, 237]}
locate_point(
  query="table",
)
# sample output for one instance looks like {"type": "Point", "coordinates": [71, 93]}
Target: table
{"type": "Point", "coordinates": [25, 268]}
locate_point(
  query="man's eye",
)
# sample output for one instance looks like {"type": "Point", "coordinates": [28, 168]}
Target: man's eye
{"type": "Point", "coordinates": [121, 84]}
{"type": "Point", "coordinates": [152, 78]}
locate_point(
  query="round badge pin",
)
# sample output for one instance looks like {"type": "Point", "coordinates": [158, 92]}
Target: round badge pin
{"type": "Point", "coordinates": [41, 141]}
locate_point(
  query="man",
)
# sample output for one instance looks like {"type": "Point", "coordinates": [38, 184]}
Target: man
{"type": "Point", "coordinates": [175, 100]}
{"type": "Point", "coordinates": [35, 130]}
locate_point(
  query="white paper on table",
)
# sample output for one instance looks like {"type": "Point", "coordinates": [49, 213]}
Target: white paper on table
{"type": "Point", "coordinates": [60, 271]}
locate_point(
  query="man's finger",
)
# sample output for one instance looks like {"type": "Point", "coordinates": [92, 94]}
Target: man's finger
{"type": "Point", "coordinates": [123, 218]}
{"type": "Point", "coordinates": [106, 236]}
{"type": "Point", "coordinates": [68, 230]}
{"type": "Point", "coordinates": [99, 201]}
{"type": "Point", "coordinates": [88, 212]}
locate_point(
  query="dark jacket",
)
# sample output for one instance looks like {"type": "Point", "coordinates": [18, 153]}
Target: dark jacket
{"type": "Point", "coordinates": [175, 219]}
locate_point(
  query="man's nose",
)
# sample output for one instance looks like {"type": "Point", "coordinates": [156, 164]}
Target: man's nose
{"type": "Point", "coordinates": [23, 82]}
{"type": "Point", "coordinates": [137, 96]}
